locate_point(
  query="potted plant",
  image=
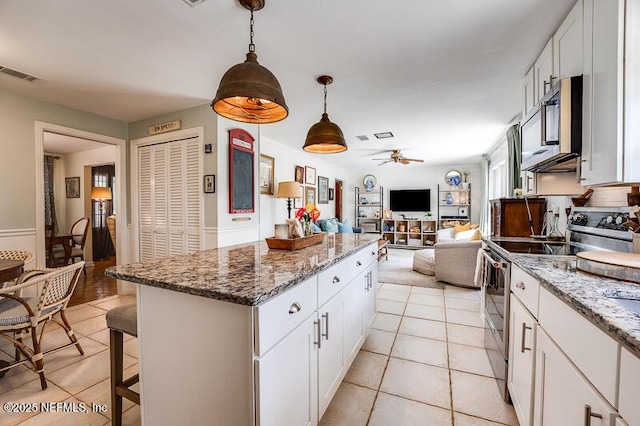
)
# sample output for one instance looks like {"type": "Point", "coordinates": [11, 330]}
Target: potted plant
{"type": "Point", "coordinates": [428, 215]}
{"type": "Point", "coordinates": [465, 182]}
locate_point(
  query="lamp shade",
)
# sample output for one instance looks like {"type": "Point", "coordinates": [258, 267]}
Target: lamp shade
{"type": "Point", "coordinates": [325, 137]}
{"type": "Point", "coordinates": [100, 193]}
{"type": "Point", "coordinates": [289, 190]}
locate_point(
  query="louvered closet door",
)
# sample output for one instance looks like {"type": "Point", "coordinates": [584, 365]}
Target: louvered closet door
{"type": "Point", "coordinates": [169, 198]}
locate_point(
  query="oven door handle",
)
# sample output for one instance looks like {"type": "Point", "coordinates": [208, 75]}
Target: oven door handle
{"type": "Point", "coordinates": [493, 262]}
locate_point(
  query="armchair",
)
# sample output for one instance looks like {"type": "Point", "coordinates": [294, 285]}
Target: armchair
{"type": "Point", "coordinates": [455, 262]}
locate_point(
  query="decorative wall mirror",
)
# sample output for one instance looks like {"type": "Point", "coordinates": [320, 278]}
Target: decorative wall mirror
{"type": "Point", "coordinates": [453, 178]}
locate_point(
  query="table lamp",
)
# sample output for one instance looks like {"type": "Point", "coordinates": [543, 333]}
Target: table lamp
{"type": "Point", "coordinates": [289, 190]}
{"type": "Point", "coordinates": [100, 193]}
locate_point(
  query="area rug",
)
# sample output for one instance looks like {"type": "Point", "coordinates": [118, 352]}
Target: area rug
{"type": "Point", "coordinates": [398, 270]}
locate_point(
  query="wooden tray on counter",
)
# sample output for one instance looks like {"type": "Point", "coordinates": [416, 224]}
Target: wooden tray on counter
{"type": "Point", "coordinates": [294, 243]}
{"type": "Point", "coordinates": [621, 266]}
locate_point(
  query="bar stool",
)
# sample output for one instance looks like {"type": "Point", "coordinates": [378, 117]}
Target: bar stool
{"type": "Point", "coordinates": [122, 319]}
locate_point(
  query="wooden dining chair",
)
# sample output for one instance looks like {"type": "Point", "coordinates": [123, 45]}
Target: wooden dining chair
{"type": "Point", "coordinates": [79, 236]}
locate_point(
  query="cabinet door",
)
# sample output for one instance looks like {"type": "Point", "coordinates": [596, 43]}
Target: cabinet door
{"type": "Point", "coordinates": [332, 362]}
{"type": "Point", "coordinates": [353, 325]}
{"type": "Point", "coordinates": [562, 395]}
{"type": "Point", "coordinates": [602, 91]}
{"type": "Point", "coordinates": [287, 379]}
{"type": "Point", "coordinates": [522, 329]}
{"type": "Point", "coordinates": [567, 45]}
{"type": "Point", "coordinates": [543, 72]}
{"type": "Point", "coordinates": [528, 183]}
{"type": "Point", "coordinates": [528, 92]}
{"type": "Point", "coordinates": [370, 290]}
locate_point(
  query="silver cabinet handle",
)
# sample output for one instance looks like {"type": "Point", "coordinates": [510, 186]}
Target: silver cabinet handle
{"type": "Point", "coordinates": [524, 330]}
{"type": "Point", "coordinates": [326, 325]}
{"type": "Point", "coordinates": [358, 263]}
{"type": "Point", "coordinates": [520, 285]}
{"type": "Point", "coordinates": [335, 280]}
{"type": "Point", "coordinates": [318, 329]}
{"type": "Point", "coordinates": [370, 277]}
{"type": "Point", "coordinates": [295, 307]}
{"type": "Point", "coordinates": [366, 282]}
{"type": "Point", "coordinates": [373, 253]}
{"type": "Point", "coordinates": [588, 414]}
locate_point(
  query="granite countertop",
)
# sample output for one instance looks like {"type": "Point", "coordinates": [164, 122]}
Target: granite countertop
{"type": "Point", "coordinates": [246, 274]}
{"type": "Point", "coordinates": [588, 294]}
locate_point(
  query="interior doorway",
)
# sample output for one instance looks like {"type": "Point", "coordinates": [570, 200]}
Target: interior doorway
{"type": "Point", "coordinates": [339, 198]}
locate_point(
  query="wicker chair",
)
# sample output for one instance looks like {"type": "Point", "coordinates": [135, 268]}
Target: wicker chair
{"type": "Point", "coordinates": [23, 255]}
{"type": "Point", "coordinates": [18, 314]}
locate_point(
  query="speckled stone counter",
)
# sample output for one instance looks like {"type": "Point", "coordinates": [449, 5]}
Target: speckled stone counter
{"type": "Point", "coordinates": [588, 294]}
{"type": "Point", "coordinates": [246, 274]}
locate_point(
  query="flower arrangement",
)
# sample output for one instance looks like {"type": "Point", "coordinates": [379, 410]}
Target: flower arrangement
{"type": "Point", "coordinates": [307, 214]}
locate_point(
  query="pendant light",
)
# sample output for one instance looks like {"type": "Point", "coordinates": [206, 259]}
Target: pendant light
{"type": "Point", "coordinates": [325, 137]}
{"type": "Point", "coordinates": [248, 92]}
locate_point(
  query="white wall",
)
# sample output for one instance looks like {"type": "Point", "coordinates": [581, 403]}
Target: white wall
{"type": "Point", "coordinates": [274, 210]}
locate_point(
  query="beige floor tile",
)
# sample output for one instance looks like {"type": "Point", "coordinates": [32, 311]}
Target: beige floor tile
{"type": "Point", "coordinates": [461, 293]}
{"type": "Point", "coordinates": [479, 396]}
{"type": "Point", "coordinates": [30, 393]}
{"type": "Point", "coordinates": [435, 313]}
{"type": "Point", "coordinates": [16, 376]}
{"type": "Point", "coordinates": [102, 300]}
{"type": "Point", "coordinates": [396, 287]}
{"type": "Point", "coordinates": [392, 410]}
{"type": "Point", "coordinates": [418, 349]}
{"type": "Point", "coordinates": [130, 347]}
{"type": "Point", "coordinates": [419, 382]}
{"type": "Point", "coordinates": [88, 418]}
{"type": "Point", "coordinates": [83, 312]}
{"type": "Point", "coordinates": [467, 305]}
{"type": "Point", "coordinates": [426, 299]}
{"type": "Point", "coordinates": [379, 341]}
{"type": "Point", "coordinates": [86, 373]}
{"type": "Point", "coordinates": [423, 328]}
{"type": "Point", "coordinates": [101, 393]}
{"type": "Point", "coordinates": [119, 301]}
{"type": "Point", "coordinates": [427, 290]}
{"type": "Point", "coordinates": [469, 359]}
{"type": "Point", "coordinates": [131, 417]}
{"type": "Point", "coordinates": [350, 406]}
{"type": "Point", "coordinates": [386, 322]}
{"type": "Point", "coordinates": [70, 355]}
{"type": "Point", "coordinates": [459, 316]}
{"type": "Point", "coordinates": [90, 326]}
{"type": "Point", "coordinates": [465, 335]}
{"type": "Point", "coordinates": [102, 336]}
{"type": "Point", "coordinates": [390, 307]}
{"type": "Point", "coordinates": [367, 369]}
{"type": "Point", "coordinates": [396, 296]}
{"type": "Point", "coordinates": [460, 419]}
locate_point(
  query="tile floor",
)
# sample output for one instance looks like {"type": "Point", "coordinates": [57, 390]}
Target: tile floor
{"type": "Point", "coordinates": [422, 364]}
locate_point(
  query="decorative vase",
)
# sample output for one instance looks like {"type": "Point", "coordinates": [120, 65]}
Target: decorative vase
{"type": "Point", "coordinates": [307, 228]}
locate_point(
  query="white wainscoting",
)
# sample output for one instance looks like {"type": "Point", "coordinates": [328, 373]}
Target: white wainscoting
{"type": "Point", "coordinates": [215, 237]}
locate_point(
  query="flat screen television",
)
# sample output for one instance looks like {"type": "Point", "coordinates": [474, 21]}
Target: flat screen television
{"type": "Point", "coordinates": [410, 200]}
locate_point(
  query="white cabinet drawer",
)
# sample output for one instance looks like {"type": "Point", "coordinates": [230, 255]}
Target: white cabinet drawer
{"type": "Point", "coordinates": [629, 382]}
{"type": "Point", "coordinates": [526, 288]}
{"type": "Point", "coordinates": [588, 347]}
{"type": "Point", "coordinates": [358, 262]}
{"type": "Point", "coordinates": [331, 281]}
{"type": "Point", "coordinates": [277, 317]}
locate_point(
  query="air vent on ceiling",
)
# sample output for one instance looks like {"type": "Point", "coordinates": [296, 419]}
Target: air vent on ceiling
{"type": "Point", "coordinates": [363, 137]}
{"type": "Point", "coordinates": [383, 135]}
{"type": "Point", "coordinates": [17, 74]}
{"type": "Point", "coordinates": [194, 3]}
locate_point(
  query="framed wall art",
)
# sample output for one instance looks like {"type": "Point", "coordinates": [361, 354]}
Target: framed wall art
{"type": "Point", "coordinates": [309, 175]}
{"type": "Point", "coordinates": [267, 166]}
{"type": "Point", "coordinates": [323, 190]}
{"type": "Point", "coordinates": [241, 171]}
{"type": "Point", "coordinates": [299, 174]}
{"type": "Point", "coordinates": [331, 194]}
{"type": "Point", "coordinates": [309, 195]}
{"type": "Point", "coordinates": [72, 185]}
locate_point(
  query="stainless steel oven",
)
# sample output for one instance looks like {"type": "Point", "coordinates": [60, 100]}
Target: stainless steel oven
{"type": "Point", "coordinates": [496, 278]}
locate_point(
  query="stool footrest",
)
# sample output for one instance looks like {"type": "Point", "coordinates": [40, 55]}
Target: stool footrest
{"type": "Point", "coordinates": [129, 394]}
{"type": "Point", "coordinates": [131, 381]}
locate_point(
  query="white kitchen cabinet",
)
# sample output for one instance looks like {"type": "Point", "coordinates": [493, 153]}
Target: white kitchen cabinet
{"type": "Point", "coordinates": [563, 395]}
{"type": "Point", "coordinates": [332, 362]}
{"type": "Point", "coordinates": [522, 338]}
{"type": "Point", "coordinates": [528, 92]}
{"type": "Point", "coordinates": [543, 72]}
{"type": "Point", "coordinates": [567, 45]}
{"type": "Point", "coordinates": [528, 182]}
{"type": "Point", "coordinates": [621, 422]}
{"type": "Point", "coordinates": [629, 382]}
{"type": "Point", "coordinates": [286, 379]}
{"type": "Point", "coordinates": [369, 309]}
{"type": "Point", "coordinates": [611, 92]}
{"type": "Point", "coordinates": [354, 331]}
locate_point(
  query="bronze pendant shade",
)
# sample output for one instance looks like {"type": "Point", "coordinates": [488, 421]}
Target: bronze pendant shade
{"type": "Point", "coordinates": [325, 137]}
{"type": "Point", "coordinates": [249, 92]}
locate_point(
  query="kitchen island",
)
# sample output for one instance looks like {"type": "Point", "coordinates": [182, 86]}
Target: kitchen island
{"type": "Point", "coordinates": [245, 335]}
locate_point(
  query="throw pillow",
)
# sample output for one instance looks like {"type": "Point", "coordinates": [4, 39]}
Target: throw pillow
{"type": "Point", "coordinates": [465, 235]}
{"type": "Point", "coordinates": [476, 236]}
{"type": "Point", "coordinates": [331, 225]}
{"type": "Point", "coordinates": [345, 227]}
{"type": "Point", "coordinates": [315, 227]}
{"type": "Point", "coordinates": [465, 227]}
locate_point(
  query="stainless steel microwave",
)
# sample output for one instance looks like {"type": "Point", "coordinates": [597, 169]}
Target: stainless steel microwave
{"type": "Point", "coordinates": [551, 133]}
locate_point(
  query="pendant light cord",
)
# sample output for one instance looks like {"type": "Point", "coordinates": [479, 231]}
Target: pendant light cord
{"type": "Point", "coordinates": [252, 47]}
{"type": "Point", "coordinates": [325, 98]}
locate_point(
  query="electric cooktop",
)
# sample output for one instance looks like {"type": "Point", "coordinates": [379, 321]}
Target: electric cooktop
{"type": "Point", "coordinates": [542, 247]}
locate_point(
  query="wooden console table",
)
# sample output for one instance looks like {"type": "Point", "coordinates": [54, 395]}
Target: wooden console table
{"type": "Point", "coordinates": [382, 249]}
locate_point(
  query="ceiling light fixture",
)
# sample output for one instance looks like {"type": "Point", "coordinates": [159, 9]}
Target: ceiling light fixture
{"type": "Point", "coordinates": [325, 137]}
{"type": "Point", "coordinates": [383, 135]}
{"type": "Point", "coordinates": [248, 92]}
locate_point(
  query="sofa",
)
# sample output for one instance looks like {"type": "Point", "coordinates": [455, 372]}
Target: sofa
{"type": "Point", "coordinates": [333, 225]}
{"type": "Point", "coordinates": [456, 256]}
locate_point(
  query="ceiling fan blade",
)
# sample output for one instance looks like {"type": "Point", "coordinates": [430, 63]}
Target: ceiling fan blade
{"type": "Point", "coordinates": [414, 159]}
{"type": "Point", "coordinates": [381, 159]}
{"type": "Point", "coordinates": [385, 162]}
{"type": "Point", "coordinates": [403, 161]}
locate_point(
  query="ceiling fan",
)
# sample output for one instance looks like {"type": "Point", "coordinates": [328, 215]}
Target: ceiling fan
{"type": "Point", "coordinates": [397, 157]}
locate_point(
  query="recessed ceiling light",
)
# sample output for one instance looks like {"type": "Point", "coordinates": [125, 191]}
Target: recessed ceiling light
{"type": "Point", "coordinates": [383, 135]}
{"type": "Point", "coordinates": [17, 74]}
{"type": "Point", "coordinates": [363, 137]}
